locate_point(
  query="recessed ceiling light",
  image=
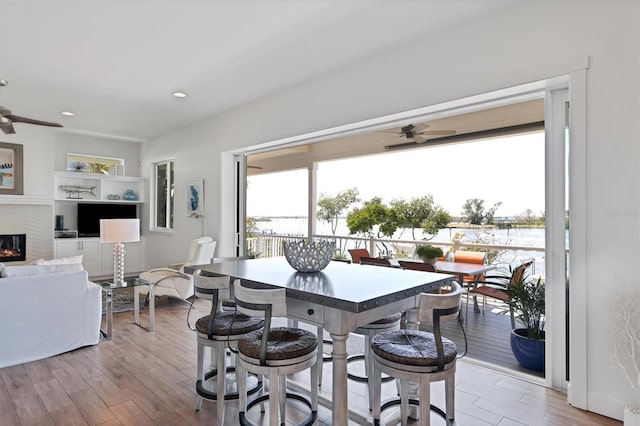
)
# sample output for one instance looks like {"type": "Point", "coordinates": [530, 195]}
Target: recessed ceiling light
{"type": "Point", "coordinates": [179, 94]}
{"type": "Point", "coordinates": [67, 113]}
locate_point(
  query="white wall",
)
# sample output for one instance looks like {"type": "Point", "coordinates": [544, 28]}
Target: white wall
{"type": "Point", "coordinates": [523, 43]}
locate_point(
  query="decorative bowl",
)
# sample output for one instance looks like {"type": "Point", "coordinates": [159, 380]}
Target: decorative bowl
{"type": "Point", "coordinates": [305, 256]}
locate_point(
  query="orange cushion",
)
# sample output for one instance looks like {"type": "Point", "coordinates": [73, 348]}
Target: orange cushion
{"type": "Point", "coordinates": [477, 257]}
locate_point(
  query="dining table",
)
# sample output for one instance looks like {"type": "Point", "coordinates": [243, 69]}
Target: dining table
{"type": "Point", "coordinates": [458, 269]}
{"type": "Point", "coordinates": [340, 298]}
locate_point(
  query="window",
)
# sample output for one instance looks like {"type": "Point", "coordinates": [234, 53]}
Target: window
{"type": "Point", "coordinates": [93, 164]}
{"type": "Point", "coordinates": [162, 212]}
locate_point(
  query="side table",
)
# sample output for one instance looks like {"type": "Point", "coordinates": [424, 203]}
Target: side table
{"type": "Point", "coordinates": [109, 288]}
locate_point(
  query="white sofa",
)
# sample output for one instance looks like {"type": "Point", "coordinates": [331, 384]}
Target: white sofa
{"type": "Point", "coordinates": [46, 310]}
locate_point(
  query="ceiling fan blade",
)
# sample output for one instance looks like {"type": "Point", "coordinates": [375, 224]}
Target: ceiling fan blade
{"type": "Point", "coordinates": [439, 132]}
{"type": "Point", "coordinates": [419, 139]}
{"type": "Point", "coordinates": [18, 119]}
{"type": "Point", "coordinates": [7, 127]}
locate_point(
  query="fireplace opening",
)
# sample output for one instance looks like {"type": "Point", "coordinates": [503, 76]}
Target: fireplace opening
{"type": "Point", "coordinates": [13, 248]}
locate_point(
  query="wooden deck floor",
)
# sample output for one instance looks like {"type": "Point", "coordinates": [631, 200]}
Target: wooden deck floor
{"type": "Point", "coordinates": [142, 378]}
{"type": "Point", "coordinates": [488, 336]}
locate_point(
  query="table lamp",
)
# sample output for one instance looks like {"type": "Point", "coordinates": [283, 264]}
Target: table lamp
{"type": "Point", "coordinates": [119, 231]}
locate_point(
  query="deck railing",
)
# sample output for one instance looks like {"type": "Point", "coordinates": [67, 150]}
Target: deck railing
{"type": "Point", "coordinates": [271, 246]}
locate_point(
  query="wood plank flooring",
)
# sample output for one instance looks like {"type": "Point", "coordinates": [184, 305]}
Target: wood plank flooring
{"type": "Point", "coordinates": [142, 378]}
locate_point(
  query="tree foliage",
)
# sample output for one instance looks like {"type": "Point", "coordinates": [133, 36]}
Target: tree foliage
{"type": "Point", "coordinates": [330, 208]}
{"type": "Point", "coordinates": [473, 211]}
{"type": "Point", "coordinates": [374, 217]}
{"type": "Point", "coordinates": [420, 213]}
{"type": "Point", "coordinates": [363, 220]}
{"type": "Point", "coordinates": [251, 227]}
{"type": "Point", "coordinates": [488, 217]}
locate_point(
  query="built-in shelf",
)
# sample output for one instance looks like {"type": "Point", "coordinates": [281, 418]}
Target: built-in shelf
{"type": "Point", "coordinates": [96, 188]}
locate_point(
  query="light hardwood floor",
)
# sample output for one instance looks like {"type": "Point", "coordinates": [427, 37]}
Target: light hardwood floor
{"type": "Point", "coordinates": [142, 378]}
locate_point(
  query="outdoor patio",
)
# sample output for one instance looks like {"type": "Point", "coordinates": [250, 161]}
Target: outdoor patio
{"type": "Point", "coordinates": [487, 336]}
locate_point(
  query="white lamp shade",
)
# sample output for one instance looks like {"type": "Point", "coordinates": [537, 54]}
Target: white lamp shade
{"type": "Point", "coordinates": [119, 230]}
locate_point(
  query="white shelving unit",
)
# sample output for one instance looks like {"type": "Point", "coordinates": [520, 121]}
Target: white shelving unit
{"type": "Point", "coordinates": [99, 188]}
{"type": "Point", "coordinates": [95, 188]}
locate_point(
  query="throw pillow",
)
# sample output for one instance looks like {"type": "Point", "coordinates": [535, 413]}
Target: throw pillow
{"type": "Point", "coordinates": [71, 260]}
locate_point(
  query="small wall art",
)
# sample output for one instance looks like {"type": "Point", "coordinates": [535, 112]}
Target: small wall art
{"type": "Point", "coordinates": [195, 198]}
{"type": "Point", "coordinates": [11, 169]}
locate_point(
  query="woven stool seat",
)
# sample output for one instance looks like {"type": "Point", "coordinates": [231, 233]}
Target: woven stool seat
{"type": "Point", "coordinates": [229, 324]}
{"type": "Point", "coordinates": [284, 343]}
{"type": "Point", "coordinates": [412, 347]}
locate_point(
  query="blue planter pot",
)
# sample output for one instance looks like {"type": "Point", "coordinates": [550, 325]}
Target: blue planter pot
{"type": "Point", "coordinates": [528, 352]}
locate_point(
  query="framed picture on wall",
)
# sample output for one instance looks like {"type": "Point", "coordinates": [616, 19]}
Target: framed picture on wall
{"type": "Point", "coordinates": [195, 198]}
{"type": "Point", "coordinates": [11, 169]}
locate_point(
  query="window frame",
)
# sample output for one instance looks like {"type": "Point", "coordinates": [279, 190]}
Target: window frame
{"type": "Point", "coordinates": [168, 226]}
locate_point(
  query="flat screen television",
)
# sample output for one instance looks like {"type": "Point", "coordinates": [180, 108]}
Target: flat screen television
{"type": "Point", "coordinates": [89, 215]}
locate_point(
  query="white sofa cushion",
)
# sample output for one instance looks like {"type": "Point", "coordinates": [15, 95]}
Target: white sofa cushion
{"type": "Point", "coordinates": [30, 270]}
{"type": "Point", "coordinates": [71, 260]}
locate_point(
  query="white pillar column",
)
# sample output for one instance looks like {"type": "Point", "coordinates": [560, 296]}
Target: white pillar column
{"type": "Point", "coordinates": [312, 199]}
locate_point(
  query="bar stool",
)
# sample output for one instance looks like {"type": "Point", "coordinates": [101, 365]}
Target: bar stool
{"type": "Point", "coordinates": [219, 330]}
{"type": "Point", "coordinates": [420, 357]}
{"type": "Point", "coordinates": [274, 353]}
{"type": "Point", "coordinates": [369, 331]}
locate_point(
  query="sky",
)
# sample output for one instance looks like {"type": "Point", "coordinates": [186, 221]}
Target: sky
{"type": "Point", "coordinates": [508, 170]}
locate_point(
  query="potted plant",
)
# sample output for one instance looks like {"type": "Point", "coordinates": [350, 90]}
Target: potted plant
{"type": "Point", "coordinates": [429, 254]}
{"type": "Point", "coordinates": [526, 298]}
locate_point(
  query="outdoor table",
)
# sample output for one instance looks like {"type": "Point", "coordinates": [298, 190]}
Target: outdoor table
{"type": "Point", "coordinates": [459, 269]}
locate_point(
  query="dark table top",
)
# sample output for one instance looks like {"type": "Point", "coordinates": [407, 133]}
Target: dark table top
{"type": "Point", "coordinates": [350, 287]}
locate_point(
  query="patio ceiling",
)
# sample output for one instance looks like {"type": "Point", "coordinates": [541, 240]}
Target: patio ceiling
{"type": "Point", "coordinates": [371, 143]}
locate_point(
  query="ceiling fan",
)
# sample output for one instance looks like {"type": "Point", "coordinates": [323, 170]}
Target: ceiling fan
{"type": "Point", "coordinates": [7, 118]}
{"type": "Point", "coordinates": [418, 133]}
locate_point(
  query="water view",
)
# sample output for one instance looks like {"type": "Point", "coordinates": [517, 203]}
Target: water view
{"type": "Point", "coordinates": [527, 237]}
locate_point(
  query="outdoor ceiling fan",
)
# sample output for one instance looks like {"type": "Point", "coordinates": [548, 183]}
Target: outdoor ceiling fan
{"type": "Point", "coordinates": [7, 118]}
{"type": "Point", "coordinates": [418, 133]}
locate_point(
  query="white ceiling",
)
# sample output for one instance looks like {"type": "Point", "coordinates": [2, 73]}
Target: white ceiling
{"type": "Point", "coordinates": [116, 63]}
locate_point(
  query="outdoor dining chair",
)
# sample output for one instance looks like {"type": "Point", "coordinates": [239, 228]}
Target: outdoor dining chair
{"type": "Point", "coordinates": [356, 254]}
{"type": "Point", "coordinates": [496, 286]}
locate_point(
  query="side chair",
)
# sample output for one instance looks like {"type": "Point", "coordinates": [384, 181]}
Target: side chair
{"type": "Point", "coordinates": [356, 254]}
{"type": "Point", "coordinates": [477, 257]}
{"type": "Point", "coordinates": [417, 266]}
{"type": "Point", "coordinates": [173, 281]}
{"type": "Point", "coordinates": [364, 260]}
{"type": "Point", "coordinates": [496, 286]}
